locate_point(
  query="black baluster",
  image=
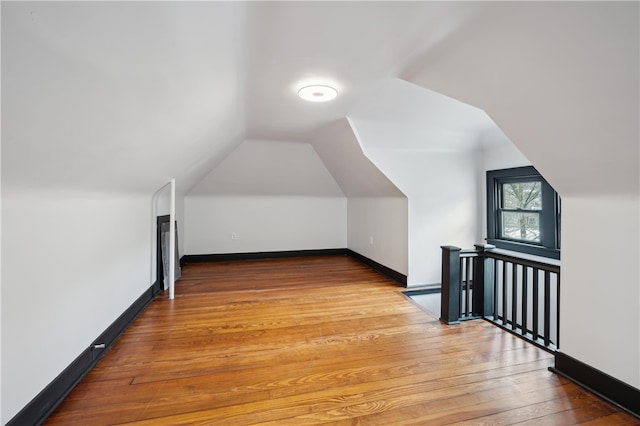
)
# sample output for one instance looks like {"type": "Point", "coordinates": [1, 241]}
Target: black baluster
{"type": "Point", "coordinates": [547, 308]}
{"type": "Point", "coordinates": [467, 277]}
{"type": "Point", "coordinates": [525, 295]}
{"type": "Point", "coordinates": [536, 317]}
{"type": "Point", "coordinates": [495, 289]}
{"type": "Point", "coordinates": [557, 311]}
{"type": "Point", "coordinates": [504, 293]}
{"type": "Point", "coordinates": [514, 296]}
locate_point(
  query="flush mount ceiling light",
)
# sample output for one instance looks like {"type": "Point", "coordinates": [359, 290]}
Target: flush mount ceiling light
{"type": "Point", "coordinates": [317, 93]}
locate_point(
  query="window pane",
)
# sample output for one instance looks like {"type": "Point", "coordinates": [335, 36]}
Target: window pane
{"type": "Point", "coordinates": [521, 226]}
{"type": "Point", "coordinates": [522, 195]}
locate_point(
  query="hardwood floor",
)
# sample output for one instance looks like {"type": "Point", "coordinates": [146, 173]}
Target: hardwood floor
{"type": "Point", "coordinates": [321, 340]}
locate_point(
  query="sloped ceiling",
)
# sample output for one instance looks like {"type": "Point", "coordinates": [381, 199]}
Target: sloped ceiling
{"type": "Point", "coordinates": [259, 167]}
{"type": "Point", "coordinates": [398, 115]}
{"type": "Point", "coordinates": [561, 79]}
{"type": "Point", "coordinates": [354, 172]}
{"type": "Point", "coordinates": [123, 96]}
{"type": "Point", "coordinates": [344, 44]}
{"type": "Point", "coordinates": [120, 96]}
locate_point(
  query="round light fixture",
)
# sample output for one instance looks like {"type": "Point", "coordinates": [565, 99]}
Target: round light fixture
{"type": "Point", "coordinates": [317, 93]}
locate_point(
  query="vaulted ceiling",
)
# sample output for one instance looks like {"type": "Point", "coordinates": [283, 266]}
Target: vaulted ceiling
{"type": "Point", "coordinates": [124, 96]}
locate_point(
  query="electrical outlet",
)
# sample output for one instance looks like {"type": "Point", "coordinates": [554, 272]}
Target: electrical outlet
{"type": "Point", "coordinates": [234, 236]}
{"type": "Point", "coordinates": [371, 240]}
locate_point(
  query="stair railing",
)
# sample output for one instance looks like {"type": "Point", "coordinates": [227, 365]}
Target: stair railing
{"type": "Point", "coordinates": [517, 294]}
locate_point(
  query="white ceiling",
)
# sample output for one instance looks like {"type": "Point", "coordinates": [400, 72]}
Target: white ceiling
{"type": "Point", "coordinates": [344, 157]}
{"type": "Point", "coordinates": [259, 167]}
{"type": "Point", "coordinates": [349, 45]}
{"type": "Point", "coordinates": [120, 96]}
{"type": "Point", "coordinates": [123, 96]}
{"type": "Point", "coordinates": [399, 115]}
{"type": "Point", "coordinates": [561, 79]}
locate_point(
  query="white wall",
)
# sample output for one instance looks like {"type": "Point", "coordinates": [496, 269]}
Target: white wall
{"type": "Point", "coordinates": [340, 151]}
{"type": "Point", "coordinates": [101, 105]}
{"type": "Point", "coordinates": [375, 208]}
{"type": "Point", "coordinates": [264, 223]}
{"type": "Point", "coordinates": [273, 195]}
{"type": "Point", "coordinates": [600, 287]}
{"type": "Point", "coordinates": [503, 156]}
{"type": "Point", "coordinates": [567, 94]}
{"type": "Point", "coordinates": [378, 229]}
{"type": "Point", "coordinates": [442, 207]}
{"type": "Point", "coordinates": [264, 167]}
{"type": "Point", "coordinates": [428, 145]}
{"type": "Point", "coordinates": [72, 263]}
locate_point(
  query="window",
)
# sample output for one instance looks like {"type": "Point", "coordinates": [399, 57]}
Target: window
{"type": "Point", "coordinates": [523, 212]}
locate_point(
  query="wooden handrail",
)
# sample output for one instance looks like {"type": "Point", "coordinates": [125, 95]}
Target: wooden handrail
{"type": "Point", "coordinates": [526, 262]}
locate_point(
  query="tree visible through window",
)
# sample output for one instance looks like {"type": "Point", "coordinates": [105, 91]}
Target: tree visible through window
{"type": "Point", "coordinates": [523, 212]}
{"type": "Point", "coordinates": [520, 212]}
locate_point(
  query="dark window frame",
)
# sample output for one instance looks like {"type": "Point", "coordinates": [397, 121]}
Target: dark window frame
{"type": "Point", "coordinates": [549, 245]}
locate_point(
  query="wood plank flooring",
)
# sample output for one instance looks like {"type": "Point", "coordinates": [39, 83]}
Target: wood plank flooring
{"type": "Point", "coordinates": [321, 340]}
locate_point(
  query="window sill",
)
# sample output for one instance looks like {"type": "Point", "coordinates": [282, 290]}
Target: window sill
{"type": "Point", "coordinates": [540, 254]}
{"type": "Point", "coordinates": [531, 257]}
